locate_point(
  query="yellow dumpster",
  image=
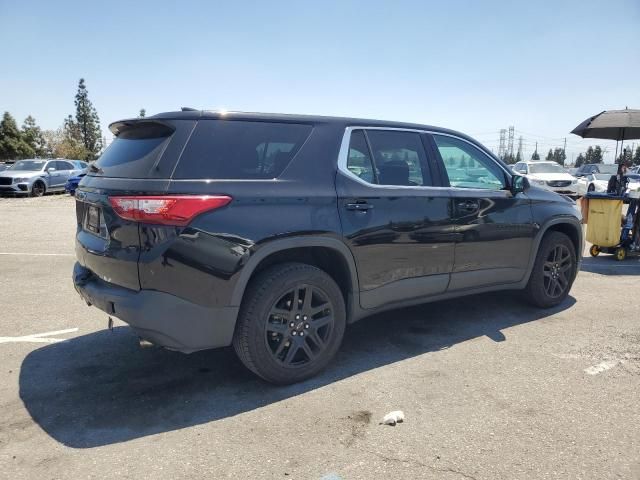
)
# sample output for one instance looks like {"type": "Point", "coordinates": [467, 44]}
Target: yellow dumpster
{"type": "Point", "coordinates": [603, 224]}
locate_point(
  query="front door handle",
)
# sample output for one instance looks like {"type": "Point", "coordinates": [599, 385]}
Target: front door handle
{"type": "Point", "coordinates": [359, 206]}
{"type": "Point", "coordinates": [468, 206]}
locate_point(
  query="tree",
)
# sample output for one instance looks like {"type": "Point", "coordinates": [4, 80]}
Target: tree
{"type": "Point", "coordinates": [559, 156]}
{"type": "Point", "coordinates": [636, 157]}
{"type": "Point", "coordinates": [12, 144]}
{"type": "Point", "coordinates": [626, 157]}
{"type": "Point", "coordinates": [87, 122]}
{"type": "Point", "coordinates": [518, 157]}
{"type": "Point", "coordinates": [550, 155]}
{"type": "Point", "coordinates": [598, 157]}
{"type": "Point", "coordinates": [580, 160]}
{"type": "Point", "coordinates": [32, 135]}
{"type": "Point", "coordinates": [60, 143]}
{"type": "Point", "coordinates": [143, 113]}
{"type": "Point", "coordinates": [535, 155]}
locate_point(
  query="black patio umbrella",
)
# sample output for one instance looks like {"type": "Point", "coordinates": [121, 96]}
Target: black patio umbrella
{"type": "Point", "coordinates": [618, 125]}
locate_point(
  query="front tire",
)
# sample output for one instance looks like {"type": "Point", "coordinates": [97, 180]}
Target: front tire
{"type": "Point", "coordinates": [591, 188]}
{"type": "Point", "coordinates": [554, 271]}
{"type": "Point", "coordinates": [291, 323]}
{"type": "Point", "coordinates": [38, 189]}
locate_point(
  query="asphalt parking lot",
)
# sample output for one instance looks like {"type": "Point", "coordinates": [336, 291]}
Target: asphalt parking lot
{"type": "Point", "coordinates": [490, 387]}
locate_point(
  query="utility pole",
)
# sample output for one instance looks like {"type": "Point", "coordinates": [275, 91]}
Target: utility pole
{"type": "Point", "coordinates": [502, 145]}
{"type": "Point", "coordinates": [520, 153]}
{"type": "Point", "coordinates": [564, 150]}
{"type": "Point", "coordinates": [510, 141]}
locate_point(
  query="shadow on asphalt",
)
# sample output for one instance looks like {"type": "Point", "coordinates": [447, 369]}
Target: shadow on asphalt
{"type": "Point", "coordinates": [101, 388]}
{"type": "Point", "coordinates": [607, 265]}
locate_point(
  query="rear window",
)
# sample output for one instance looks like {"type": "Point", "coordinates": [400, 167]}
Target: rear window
{"type": "Point", "coordinates": [232, 149]}
{"type": "Point", "coordinates": [135, 151]}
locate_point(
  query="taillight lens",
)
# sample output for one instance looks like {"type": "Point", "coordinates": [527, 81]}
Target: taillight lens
{"type": "Point", "coordinates": [176, 210]}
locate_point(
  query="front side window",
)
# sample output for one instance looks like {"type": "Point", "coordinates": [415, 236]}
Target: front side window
{"type": "Point", "coordinates": [467, 166]}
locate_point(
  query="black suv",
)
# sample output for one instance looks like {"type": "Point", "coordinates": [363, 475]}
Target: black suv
{"type": "Point", "coordinates": [272, 232]}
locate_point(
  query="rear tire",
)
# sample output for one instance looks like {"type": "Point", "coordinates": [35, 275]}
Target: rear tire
{"type": "Point", "coordinates": [594, 251]}
{"type": "Point", "coordinates": [291, 323]}
{"type": "Point", "coordinates": [591, 188]}
{"type": "Point", "coordinates": [554, 271]}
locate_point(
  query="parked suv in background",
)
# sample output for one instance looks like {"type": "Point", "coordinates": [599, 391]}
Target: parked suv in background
{"type": "Point", "coordinates": [273, 232]}
{"type": "Point", "coordinates": [604, 168]}
{"type": "Point", "coordinates": [548, 175]}
{"type": "Point", "coordinates": [35, 177]}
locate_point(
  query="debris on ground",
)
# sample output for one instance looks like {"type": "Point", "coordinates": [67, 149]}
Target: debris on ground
{"type": "Point", "coordinates": [391, 418]}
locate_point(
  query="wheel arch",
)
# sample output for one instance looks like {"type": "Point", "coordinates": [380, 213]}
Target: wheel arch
{"type": "Point", "coordinates": [329, 254]}
{"type": "Point", "coordinates": [568, 225]}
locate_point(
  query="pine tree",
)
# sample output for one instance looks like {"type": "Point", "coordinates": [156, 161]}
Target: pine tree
{"type": "Point", "coordinates": [518, 157]}
{"type": "Point", "coordinates": [32, 135]}
{"type": "Point", "coordinates": [535, 156]}
{"type": "Point", "coordinates": [143, 113]}
{"type": "Point", "coordinates": [88, 123]}
{"type": "Point", "coordinates": [636, 156]}
{"type": "Point", "coordinates": [549, 155]}
{"type": "Point", "coordinates": [626, 157]}
{"type": "Point", "coordinates": [12, 143]}
{"type": "Point", "coordinates": [70, 144]}
{"type": "Point", "coordinates": [559, 155]}
{"type": "Point", "coordinates": [580, 160]}
{"type": "Point", "coordinates": [597, 155]}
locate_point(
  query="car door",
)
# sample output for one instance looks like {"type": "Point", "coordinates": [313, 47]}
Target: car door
{"type": "Point", "coordinates": [394, 215]}
{"type": "Point", "coordinates": [495, 227]}
{"type": "Point", "coordinates": [51, 177]}
{"type": "Point", "coordinates": [65, 170]}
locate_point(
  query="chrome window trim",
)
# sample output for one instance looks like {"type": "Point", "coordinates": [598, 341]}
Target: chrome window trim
{"type": "Point", "coordinates": [343, 157]}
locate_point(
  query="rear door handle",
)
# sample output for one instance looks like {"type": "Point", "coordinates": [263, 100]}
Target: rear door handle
{"type": "Point", "coordinates": [468, 206]}
{"type": "Point", "coordinates": [359, 206]}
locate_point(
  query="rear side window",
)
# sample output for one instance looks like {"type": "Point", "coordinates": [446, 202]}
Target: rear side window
{"type": "Point", "coordinates": [135, 151]}
{"type": "Point", "coordinates": [232, 149]}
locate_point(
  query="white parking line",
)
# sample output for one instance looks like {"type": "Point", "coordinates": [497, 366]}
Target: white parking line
{"type": "Point", "coordinates": [39, 254]}
{"type": "Point", "coordinates": [39, 337]}
{"type": "Point", "coordinates": [601, 367]}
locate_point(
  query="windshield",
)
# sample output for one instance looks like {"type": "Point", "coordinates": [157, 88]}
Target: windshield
{"type": "Point", "coordinates": [610, 169]}
{"type": "Point", "coordinates": [602, 176]}
{"type": "Point", "coordinates": [545, 168]}
{"type": "Point", "coordinates": [31, 165]}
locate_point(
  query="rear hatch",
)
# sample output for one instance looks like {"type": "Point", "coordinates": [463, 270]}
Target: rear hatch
{"type": "Point", "coordinates": [139, 161]}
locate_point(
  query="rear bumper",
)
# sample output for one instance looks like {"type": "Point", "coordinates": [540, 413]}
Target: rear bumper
{"type": "Point", "coordinates": [161, 318]}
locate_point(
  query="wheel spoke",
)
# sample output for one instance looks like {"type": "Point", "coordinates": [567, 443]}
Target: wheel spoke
{"type": "Point", "coordinates": [291, 353]}
{"type": "Point", "coordinates": [296, 300]}
{"type": "Point", "coordinates": [282, 346]}
{"type": "Point", "coordinates": [315, 338]}
{"type": "Point", "coordinates": [321, 322]}
{"type": "Point", "coordinates": [307, 350]}
{"type": "Point", "coordinates": [281, 328]}
{"type": "Point", "coordinates": [318, 309]}
{"type": "Point", "coordinates": [308, 294]}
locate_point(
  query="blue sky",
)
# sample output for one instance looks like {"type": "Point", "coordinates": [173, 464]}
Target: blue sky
{"type": "Point", "coordinates": [469, 65]}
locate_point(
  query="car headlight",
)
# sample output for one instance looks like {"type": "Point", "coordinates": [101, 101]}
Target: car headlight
{"type": "Point", "coordinates": [20, 179]}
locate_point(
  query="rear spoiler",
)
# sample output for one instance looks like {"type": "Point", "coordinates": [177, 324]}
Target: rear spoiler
{"type": "Point", "coordinates": [141, 128]}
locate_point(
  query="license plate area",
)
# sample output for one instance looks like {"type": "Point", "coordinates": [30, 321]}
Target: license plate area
{"type": "Point", "coordinates": [94, 221]}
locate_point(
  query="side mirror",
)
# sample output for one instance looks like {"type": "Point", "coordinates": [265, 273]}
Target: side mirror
{"type": "Point", "coordinates": [519, 184]}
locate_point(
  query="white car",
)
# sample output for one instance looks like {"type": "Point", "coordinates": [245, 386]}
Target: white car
{"type": "Point", "coordinates": [548, 175]}
{"type": "Point", "coordinates": [593, 182]}
{"type": "Point", "coordinates": [598, 182]}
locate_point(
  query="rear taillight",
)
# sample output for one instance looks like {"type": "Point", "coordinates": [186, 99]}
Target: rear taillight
{"type": "Point", "coordinates": [177, 210]}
